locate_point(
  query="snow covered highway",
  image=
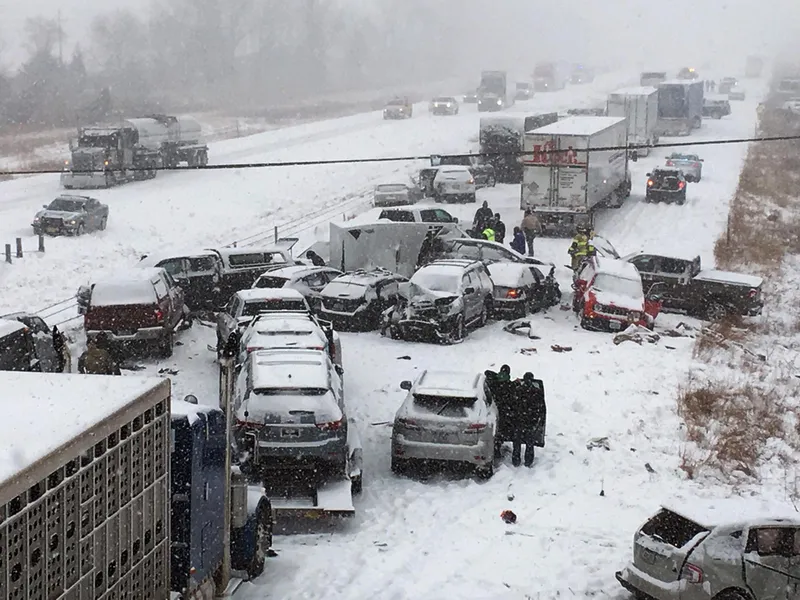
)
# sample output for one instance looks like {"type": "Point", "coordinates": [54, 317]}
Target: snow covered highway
{"type": "Point", "coordinates": [439, 538]}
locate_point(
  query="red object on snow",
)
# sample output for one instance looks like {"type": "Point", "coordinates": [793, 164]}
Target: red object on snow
{"type": "Point", "coordinates": [508, 516]}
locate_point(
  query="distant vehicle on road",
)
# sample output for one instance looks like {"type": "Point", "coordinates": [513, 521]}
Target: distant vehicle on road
{"type": "Point", "coordinates": [666, 184]}
{"type": "Point", "coordinates": [716, 108]}
{"type": "Point", "coordinates": [71, 215]}
{"type": "Point", "coordinates": [398, 108]}
{"type": "Point", "coordinates": [690, 165]}
{"type": "Point", "coordinates": [395, 194]}
{"type": "Point", "coordinates": [444, 105]}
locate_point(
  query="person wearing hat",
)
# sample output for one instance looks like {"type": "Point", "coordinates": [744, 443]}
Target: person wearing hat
{"type": "Point", "coordinates": [315, 259]}
{"type": "Point", "coordinates": [97, 360]}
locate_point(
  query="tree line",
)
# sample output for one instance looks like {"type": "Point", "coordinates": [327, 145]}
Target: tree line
{"type": "Point", "coordinates": [226, 54]}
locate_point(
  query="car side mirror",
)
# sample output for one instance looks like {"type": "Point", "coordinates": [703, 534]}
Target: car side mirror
{"type": "Point", "coordinates": [339, 369]}
{"type": "Point", "coordinates": [44, 205]}
{"type": "Point", "coordinates": [648, 174]}
{"type": "Point", "coordinates": [405, 385]}
{"type": "Point", "coordinates": [454, 220]}
{"type": "Point", "coordinates": [469, 290]}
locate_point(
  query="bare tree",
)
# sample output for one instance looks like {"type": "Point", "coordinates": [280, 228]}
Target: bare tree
{"type": "Point", "coordinates": [43, 35]}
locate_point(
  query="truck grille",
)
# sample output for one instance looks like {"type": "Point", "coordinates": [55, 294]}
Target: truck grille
{"type": "Point", "coordinates": [82, 162]}
{"type": "Point", "coordinates": [614, 310]}
{"type": "Point", "coordinates": [50, 222]}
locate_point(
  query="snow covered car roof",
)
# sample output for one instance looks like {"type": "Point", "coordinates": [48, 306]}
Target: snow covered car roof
{"type": "Point", "coordinates": [616, 267]}
{"type": "Point", "coordinates": [151, 260]}
{"type": "Point", "coordinates": [291, 369]}
{"type": "Point", "coordinates": [133, 287]}
{"type": "Point", "coordinates": [257, 294]}
{"type": "Point", "coordinates": [508, 274]}
{"type": "Point", "coordinates": [679, 255]}
{"type": "Point", "coordinates": [294, 271]}
{"type": "Point", "coordinates": [44, 412]}
{"type": "Point", "coordinates": [7, 326]}
{"type": "Point", "coordinates": [359, 279]}
{"type": "Point", "coordinates": [460, 384]}
{"type": "Point", "coordinates": [712, 513]}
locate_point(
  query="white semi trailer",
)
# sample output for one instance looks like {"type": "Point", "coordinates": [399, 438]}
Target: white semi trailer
{"type": "Point", "coordinates": [572, 167]}
{"type": "Point", "coordinates": [639, 105]}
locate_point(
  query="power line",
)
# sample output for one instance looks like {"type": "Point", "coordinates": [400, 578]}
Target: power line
{"type": "Point", "coordinates": [410, 158]}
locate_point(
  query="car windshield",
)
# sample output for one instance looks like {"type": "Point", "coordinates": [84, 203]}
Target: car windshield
{"type": "Point", "coordinates": [613, 284]}
{"type": "Point", "coordinates": [66, 205]}
{"type": "Point", "coordinates": [251, 309]}
{"type": "Point", "coordinates": [437, 280]}
{"type": "Point", "coordinates": [392, 187]}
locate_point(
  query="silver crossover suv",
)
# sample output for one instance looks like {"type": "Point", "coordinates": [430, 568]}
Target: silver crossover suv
{"type": "Point", "coordinates": [448, 416]}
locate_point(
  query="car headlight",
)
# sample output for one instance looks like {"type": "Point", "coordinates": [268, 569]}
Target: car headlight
{"type": "Point", "coordinates": [600, 308]}
{"type": "Point", "coordinates": [73, 222]}
{"type": "Point", "coordinates": [499, 102]}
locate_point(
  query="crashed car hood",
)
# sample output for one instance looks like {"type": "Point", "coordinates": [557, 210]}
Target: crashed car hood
{"type": "Point", "coordinates": [57, 214]}
{"type": "Point", "coordinates": [418, 295]}
{"type": "Point", "coordinates": [620, 301]}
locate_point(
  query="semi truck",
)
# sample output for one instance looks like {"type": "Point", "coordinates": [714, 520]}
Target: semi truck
{"type": "Point", "coordinates": [639, 105]}
{"type": "Point", "coordinates": [117, 491]}
{"type": "Point", "coordinates": [501, 139]}
{"type": "Point", "coordinates": [680, 107]}
{"type": "Point", "coordinates": [652, 78]}
{"type": "Point", "coordinates": [495, 92]}
{"type": "Point", "coordinates": [571, 168]}
{"type": "Point", "coordinates": [550, 76]}
{"type": "Point", "coordinates": [754, 65]}
{"type": "Point", "coordinates": [103, 156]}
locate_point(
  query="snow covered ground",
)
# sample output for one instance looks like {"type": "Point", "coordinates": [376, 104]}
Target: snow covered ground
{"type": "Point", "coordinates": [442, 538]}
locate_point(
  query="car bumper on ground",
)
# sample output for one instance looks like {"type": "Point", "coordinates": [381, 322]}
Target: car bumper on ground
{"type": "Point", "coordinates": [145, 334]}
{"type": "Point", "coordinates": [756, 309]}
{"type": "Point", "coordinates": [481, 454]}
{"type": "Point", "coordinates": [641, 584]}
{"type": "Point", "coordinates": [332, 450]}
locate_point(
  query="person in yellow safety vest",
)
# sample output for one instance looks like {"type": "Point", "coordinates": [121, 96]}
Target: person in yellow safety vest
{"type": "Point", "coordinates": [581, 247]}
{"type": "Point", "coordinates": [488, 233]}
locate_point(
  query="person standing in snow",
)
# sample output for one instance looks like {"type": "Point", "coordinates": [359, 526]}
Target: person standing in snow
{"type": "Point", "coordinates": [97, 360]}
{"type": "Point", "coordinates": [315, 259]}
{"type": "Point", "coordinates": [581, 247]}
{"type": "Point", "coordinates": [483, 217]}
{"type": "Point", "coordinates": [531, 227]}
{"type": "Point", "coordinates": [499, 229]}
{"type": "Point", "coordinates": [62, 351]}
{"type": "Point", "coordinates": [518, 241]}
{"type": "Point", "coordinates": [529, 414]}
{"type": "Point", "coordinates": [501, 386]}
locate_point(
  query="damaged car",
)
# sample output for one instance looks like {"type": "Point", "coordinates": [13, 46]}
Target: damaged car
{"type": "Point", "coordinates": [355, 301]}
{"type": "Point", "coordinates": [520, 289]}
{"type": "Point", "coordinates": [440, 301]}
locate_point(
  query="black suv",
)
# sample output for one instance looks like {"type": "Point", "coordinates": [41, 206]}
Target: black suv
{"type": "Point", "coordinates": [666, 184]}
{"type": "Point", "coordinates": [444, 298]}
{"type": "Point", "coordinates": [355, 301]}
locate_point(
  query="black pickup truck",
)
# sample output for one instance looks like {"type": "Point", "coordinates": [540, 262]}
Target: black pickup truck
{"type": "Point", "coordinates": [705, 293]}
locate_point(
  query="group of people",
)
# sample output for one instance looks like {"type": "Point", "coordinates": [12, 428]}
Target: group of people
{"type": "Point", "coordinates": [488, 225]}
{"type": "Point", "coordinates": [522, 413]}
{"type": "Point", "coordinates": [711, 85]}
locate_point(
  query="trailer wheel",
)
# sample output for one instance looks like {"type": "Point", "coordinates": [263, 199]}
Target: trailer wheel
{"type": "Point", "coordinates": [263, 543]}
{"type": "Point", "coordinates": [356, 485]}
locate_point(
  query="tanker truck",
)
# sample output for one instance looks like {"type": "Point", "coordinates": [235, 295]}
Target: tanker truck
{"type": "Point", "coordinates": [133, 149]}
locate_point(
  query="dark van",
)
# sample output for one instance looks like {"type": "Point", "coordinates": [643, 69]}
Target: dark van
{"type": "Point", "coordinates": [17, 350]}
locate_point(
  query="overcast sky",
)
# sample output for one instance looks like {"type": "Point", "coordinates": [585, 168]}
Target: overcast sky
{"type": "Point", "coordinates": [517, 31]}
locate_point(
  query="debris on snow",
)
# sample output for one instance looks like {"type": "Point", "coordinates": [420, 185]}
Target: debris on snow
{"type": "Point", "coordinates": [406, 357]}
{"type": "Point", "coordinates": [166, 371]}
{"type": "Point", "coordinates": [636, 334]}
{"type": "Point", "coordinates": [508, 516]}
{"type": "Point", "coordinates": [648, 468]}
{"type": "Point", "coordinates": [527, 351]}
{"type": "Point", "coordinates": [557, 348]}
{"type": "Point", "coordinates": [523, 328]}
{"type": "Point", "coordinates": [601, 442]}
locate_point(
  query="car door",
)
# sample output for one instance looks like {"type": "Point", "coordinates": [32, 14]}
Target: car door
{"type": "Point", "coordinates": [674, 273]}
{"type": "Point", "coordinates": [534, 288]}
{"type": "Point", "coordinates": [226, 320]}
{"type": "Point", "coordinates": [312, 284]}
{"type": "Point", "coordinates": [201, 283]}
{"type": "Point", "coordinates": [165, 300]}
{"type": "Point", "coordinates": [42, 342]}
{"type": "Point", "coordinates": [473, 300]}
{"type": "Point", "coordinates": [767, 561]}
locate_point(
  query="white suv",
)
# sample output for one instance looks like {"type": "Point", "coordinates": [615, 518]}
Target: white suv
{"type": "Point", "coordinates": [454, 183]}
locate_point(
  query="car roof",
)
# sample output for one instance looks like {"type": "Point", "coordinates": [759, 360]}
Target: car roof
{"type": "Point", "coordinates": [615, 267]}
{"type": "Point", "coordinates": [711, 513]}
{"type": "Point", "coordinates": [295, 270]}
{"type": "Point", "coordinates": [278, 320]}
{"type": "Point", "coordinates": [462, 384]}
{"type": "Point", "coordinates": [226, 252]}
{"type": "Point", "coordinates": [454, 169]}
{"type": "Point", "coordinates": [73, 197]}
{"type": "Point", "coordinates": [151, 260]}
{"type": "Point", "coordinates": [133, 275]}
{"type": "Point", "coordinates": [455, 263]}
{"type": "Point", "coordinates": [7, 326]}
{"type": "Point", "coordinates": [256, 294]}
{"type": "Point", "coordinates": [364, 277]}
{"type": "Point", "coordinates": [295, 368]}
{"type": "Point", "coordinates": [667, 170]}
{"type": "Point", "coordinates": [682, 154]}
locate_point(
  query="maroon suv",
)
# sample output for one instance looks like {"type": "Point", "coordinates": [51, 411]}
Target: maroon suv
{"type": "Point", "coordinates": [143, 306]}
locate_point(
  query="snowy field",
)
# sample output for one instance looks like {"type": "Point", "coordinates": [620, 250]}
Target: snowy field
{"type": "Point", "coordinates": [442, 538]}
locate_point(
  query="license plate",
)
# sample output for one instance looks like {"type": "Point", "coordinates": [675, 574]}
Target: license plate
{"type": "Point", "coordinates": [648, 556]}
{"type": "Point", "coordinates": [290, 432]}
{"type": "Point", "coordinates": [615, 325]}
{"type": "Point", "coordinates": [51, 229]}
{"type": "Point", "coordinates": [456, 186]}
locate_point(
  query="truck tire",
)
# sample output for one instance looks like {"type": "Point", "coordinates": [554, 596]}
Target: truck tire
{"type": "Point", "coordinates": [103, 223]}
{"type": "Point", "coordinates": [485, 472]}
{"type": "Point", "coordinates": [165, 345]}
{"type": "Point", "coordinates": [263, 543]}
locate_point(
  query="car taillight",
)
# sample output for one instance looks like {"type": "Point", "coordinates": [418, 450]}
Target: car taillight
{"type": "Point", "coordinates": [475, 428]}
{"type": "Point", "coordinates": [331, 426]}
{"type": "Point", "coordinates": [669, 163]}
{"type": "Point", "coordinates": [692, 573]}
{"type": "Point", "coordinates": [408, 423]}
{"type": "Point", "coordinates": [681, 185]}
{"type": "Point", "coordinates": [159, 316]}
{"type": "Point", "coordinates": [513, 293]}
{"type": "Point", "coordinates": [696, 165]}
{"type": "Point", "coordinates": [649, 183]}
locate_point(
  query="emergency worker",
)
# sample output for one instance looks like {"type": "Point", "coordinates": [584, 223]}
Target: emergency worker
{"type": "Point", "coordinates": [581, 247]}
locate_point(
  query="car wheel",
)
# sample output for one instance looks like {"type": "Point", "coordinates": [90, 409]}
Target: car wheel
{"type": "Point", "coordinates": [103, 223]}
{"type": "Point", "coordinates": [483, 318]}
{"type": "Point", "coordinates": [586, 324]}
{"type": "Point", "coordinates": [459, 331]}
{"type": "Point", "coordinates": [81, 230]}
{"type": "Point", "coordinates": [165, 345]}
{"type": "Point", "coordinates": [356, 485]}
{"type": "Point", "coordinates": [716, 311]}
{"type": "Point", "coordinates": [399, 466]}
{"type": "Point", "coordinates": [485, 472]}
{"type": "Point", "coordinates": [699, 177]}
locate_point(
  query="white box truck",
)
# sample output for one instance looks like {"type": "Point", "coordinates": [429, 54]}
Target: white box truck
{"type": "Point", "coordinates": [640, 106]}
{"type": "Point", "coordinates": [572, 167]}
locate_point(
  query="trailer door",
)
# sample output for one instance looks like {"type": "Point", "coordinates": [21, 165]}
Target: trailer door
{"type": "Point", "coordinates": [570, 173]}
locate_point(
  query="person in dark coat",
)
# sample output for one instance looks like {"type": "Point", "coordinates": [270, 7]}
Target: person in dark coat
{"type": "Point", "coordinates": [500, 385]}
{"type": "Point", "coordinates": [62, 351]}
{"type": "Point", "coordinates": [315, 259]}
{"type": "Point", "coordinates": [483, 218]}
{"type": "Point", "coordinates": [499, 229]}
{"type": "Point", "coordinates": [529, 416]}
{"type": "Point", "coordinates": [97, 360]}
{"type": "Point", "coordinates": [518, 241]}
